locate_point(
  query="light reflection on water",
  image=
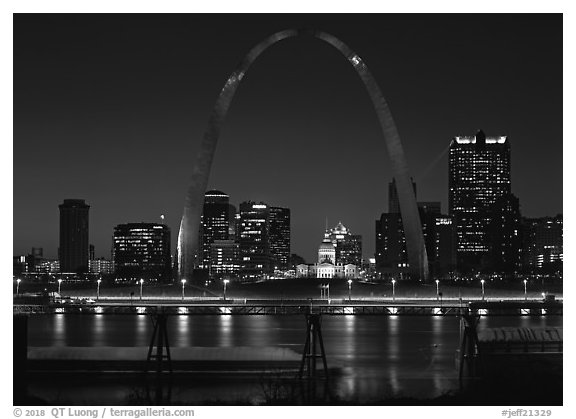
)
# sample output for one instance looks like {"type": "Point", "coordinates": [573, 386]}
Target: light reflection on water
{"type": "Point", "coordinates": [435, 366]}
{"type": "Point", "coordinates": [99, 334]}
{"type": "Point", "coordinates": [142, 323]}
{"type": "Point", "coordinates": [184, 337]}
{"type": "Point", "coordinates": [373, 356]}
{"type": "Point", "coordinates": [395, 386]}
{"type": "Point", "coordinates": [59, 330]}
{"type": "Point", "coordinates": [393, 338]}
{"type": "Point", "coordinates": [393, 347]}
{"type": "Point", "coordinates": [348, 336]}
{"type": "Point", "coordinates": [225, 332]}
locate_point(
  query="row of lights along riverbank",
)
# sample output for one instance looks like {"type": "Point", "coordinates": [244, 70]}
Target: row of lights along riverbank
{"type": "Point", "coordinates": [226, 282]}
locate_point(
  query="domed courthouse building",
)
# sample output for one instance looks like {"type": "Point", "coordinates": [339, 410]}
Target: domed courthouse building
{"type": "Point", "coordinates": [339, 256]}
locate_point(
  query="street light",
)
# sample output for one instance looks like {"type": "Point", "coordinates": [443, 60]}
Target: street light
{"type": "Point", "coordinates": [98, 290]}
{"type": "Point", "coordinates": [183, 282]}
{"type": "Point", "coordinates": [437, 289]}
{"type": "Point", "coordinates": [349, 290]}
{"type": "Point", "coordinates": [482, 282]}
{"type": "Point", "coordinates": [525, 289]}
{"type": "Point", "coordinates": [225, 283]}
{"type": "Point", "coordinates": [141, 283]}
{"type": "Point", "coordinates": [393, 289]}
{"type": "Point", "coordinates": [18, 286]}
{"type": "Point", "coordinates": [59, 284]}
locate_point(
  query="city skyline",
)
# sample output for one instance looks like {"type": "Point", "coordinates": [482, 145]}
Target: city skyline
{"type": "Point", "coordinates": [144, 126]}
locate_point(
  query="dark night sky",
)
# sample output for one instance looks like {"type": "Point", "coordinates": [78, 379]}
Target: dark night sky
{"type": "Point", "coordinates": [111, 108]}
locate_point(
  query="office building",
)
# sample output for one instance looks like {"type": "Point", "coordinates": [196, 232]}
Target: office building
{"type": "Point", "coordinates": [214, 224]}
{"type": "Point", "coordinates": [254, 240]}
{"type": "Point", "coordinates": [280, 237]}
{"type": "Point", "coordinates": [391, 253]}
{"type": "Point", "coordinates": [73, 250]}
{"type": "Point", "coordinates": [224, 259]}
{"type": "Point", "coordinates": [542, 245]}
{"type": "Point", "coordinates": [479, 174]}
{"type": "Point", "coordinates": [101, 266]}
{"type": "Point", "coordinates": [23, 264]}
{"type": "Point", "coordinates": [142, 251]}
{"type": "Point", "coordinates": [505, 236]}
{"type": "Point", "coordinates": [444, 254]}
{"type": "Point", "coordinates": [47, 266]}
{"type": "Point", "coordinates": [438, 230]}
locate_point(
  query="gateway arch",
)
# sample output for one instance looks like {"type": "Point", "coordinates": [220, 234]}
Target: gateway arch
{"type": "Point", "coordinates": [189, 225]}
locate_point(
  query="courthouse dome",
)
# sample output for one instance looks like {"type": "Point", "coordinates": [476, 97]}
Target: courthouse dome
{"type": "Point", "coordinates": [326, 246]}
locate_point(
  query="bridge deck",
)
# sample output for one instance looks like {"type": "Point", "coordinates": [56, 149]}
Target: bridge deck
{"type": "Point", "coordinates": [501, 308]}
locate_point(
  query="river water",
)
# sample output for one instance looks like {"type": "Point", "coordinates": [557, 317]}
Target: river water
{"type": "Point", "coordinates": [374, 356]}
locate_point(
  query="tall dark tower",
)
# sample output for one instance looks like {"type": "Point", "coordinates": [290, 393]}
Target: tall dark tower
{"type": "Point", "coordinates": [280, 236]}
{"type": "Point", "coordinates": [505, 235]}
{"type": "Point", "coordinates": [479, 174]}
{"type": "Point", "coordinates": [391, 253]}
{"type": "Point", "coordinates": [254, 240]}
{"type": "Point", "coordinates": [214, 223]}
{"type": "Point", "coordinates": [73, 252]}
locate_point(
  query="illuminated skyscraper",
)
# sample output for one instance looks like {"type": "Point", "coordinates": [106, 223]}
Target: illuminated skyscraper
{"type": "Point", "coordinates": [225, 259]}
{"type": "Point", "coordinates": [254, 240]}
{"type": "Point", "coordinates": [214, 224]}
{"type": "Point", "coordinates": [479, 174]}
{"type": "Point", "coordinates": [444, 247]}
{"type": "Point", "coordinates": [101, 266]}
{"type": "Point", "coordinates": [73, 250]}
{"type": "Point", "coordinates": [280, 236]}
{"type": "Point", "coordinates": [542, 247]}
{"type": "Point", "coordinates": [142, 250]}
